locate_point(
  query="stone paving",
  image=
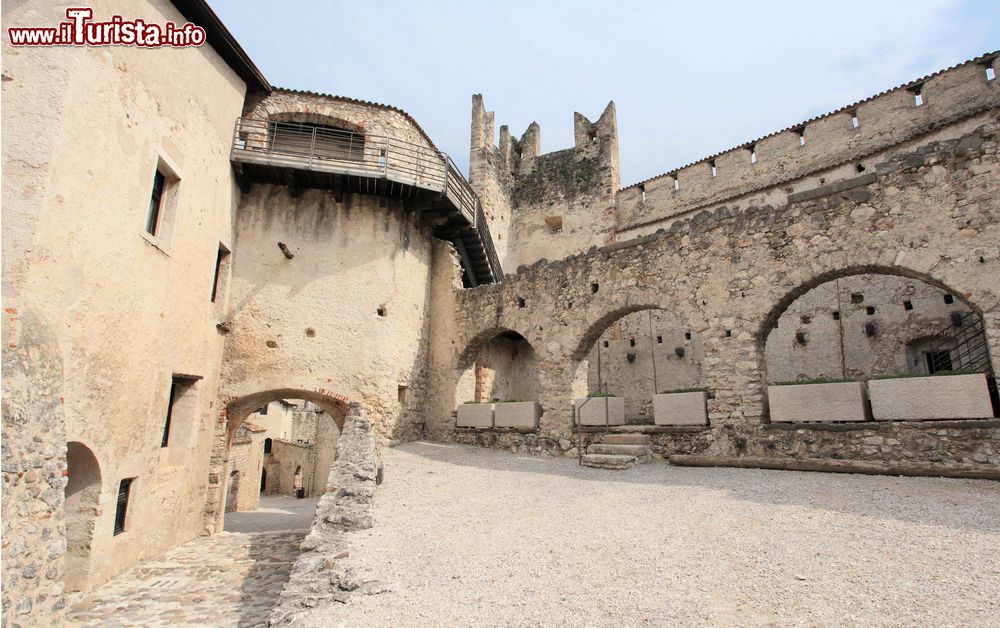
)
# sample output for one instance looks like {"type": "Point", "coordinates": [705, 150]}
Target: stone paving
{"type": "Point", "coordinates": [227, 579]}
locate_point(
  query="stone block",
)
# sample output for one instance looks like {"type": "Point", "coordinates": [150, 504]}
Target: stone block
{"type": "Point", "coordinates": [518, 414]}
{"type": "Point", "coordinates": [932, 397]}
{"type": "Point", "coordinates": [811, 403]}
{"type": "Point", "coordinates": [475, 415]}
{"type": "Point", "coordinates": [683, 408]}
{"type": "Point", "coordinates": [593, 412]}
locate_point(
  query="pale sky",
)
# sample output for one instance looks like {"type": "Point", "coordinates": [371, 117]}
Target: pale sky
{"type": "Point", "coordinates": [688, 78]}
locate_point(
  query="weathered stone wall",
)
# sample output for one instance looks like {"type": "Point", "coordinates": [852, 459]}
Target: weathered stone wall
{"type": "Point", "coordinates": [839, 347]}
{"type": "Point", "coordinates": [929, 214]}
{"type": "Point", "coordinates": [491, 177]}
{"type": "Point", "coordinates": [324, 573]}
{"type": "Point", "coordinates": [84, 130]}
{"type": "Point", "coordinates": [285, 458]}
{"type": "Point", "coordinates": [504, 369]}
{"type": "Point", "coordinates": [247, 460]}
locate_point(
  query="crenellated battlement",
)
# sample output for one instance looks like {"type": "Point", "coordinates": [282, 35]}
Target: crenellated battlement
{"type": "Point", "coordinates": [843, 139]}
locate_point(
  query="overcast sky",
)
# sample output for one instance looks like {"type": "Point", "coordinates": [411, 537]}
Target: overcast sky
{"type": "Point", "coordinates": [688, 78]}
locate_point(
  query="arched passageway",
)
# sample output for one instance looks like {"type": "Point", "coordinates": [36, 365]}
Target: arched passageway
{"type": "Point", "coordinates": [268, 436]}
{"type": "Point", "coordinates": [83, 491]}
{"type": "Point", "coordinates": [499, 369]}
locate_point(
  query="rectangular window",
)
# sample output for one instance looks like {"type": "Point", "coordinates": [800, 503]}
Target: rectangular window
{"type": "Point", "coordinates": [262, 411]}
{"type": "Point", "coordinates": [221, 268]}
{"type": "Point", "coordinates": [180, 385]}
{"type": "Point", "coordinates": [938, 361]}
{"type": "Point", "coordinates": [155, 204]}
{"type": "Point", "coordinates": [124, 490]}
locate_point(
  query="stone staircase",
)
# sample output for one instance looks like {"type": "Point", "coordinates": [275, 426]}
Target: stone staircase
{"type": "Point", "coordinates": [618, 451]}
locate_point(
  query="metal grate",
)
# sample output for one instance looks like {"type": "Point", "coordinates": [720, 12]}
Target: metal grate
{"type": "Point", "coordinates": [962, 346]}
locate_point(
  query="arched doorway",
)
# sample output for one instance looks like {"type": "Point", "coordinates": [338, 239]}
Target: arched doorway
{"type": "Point", "coordinates": [268, 434]}
{"type": "Point", "coordinates": [83, 491]}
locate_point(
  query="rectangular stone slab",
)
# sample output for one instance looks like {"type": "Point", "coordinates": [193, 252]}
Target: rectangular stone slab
{"type": "Point", "coordinates": [686, 408]}
{"type": "Point", "coordinates": [817, 403]}
{"type": "Point", "coordinates": [593, 412]}
{"type": "Point", "coordinates": [519, 414]}
{"type": "Point", "coordinates": [929, 398]}
{"type": "Point", "coordinates": [475, 415]}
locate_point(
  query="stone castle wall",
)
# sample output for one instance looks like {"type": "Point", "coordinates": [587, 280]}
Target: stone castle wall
{"type": "Point", "coordinates": [930, 214]}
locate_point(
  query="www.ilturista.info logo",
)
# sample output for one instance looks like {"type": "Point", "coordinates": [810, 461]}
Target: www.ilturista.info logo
{"type": "Point", "coordinates": [81, 30]}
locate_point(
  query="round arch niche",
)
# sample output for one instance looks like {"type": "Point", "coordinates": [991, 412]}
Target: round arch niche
{"type": "Point", "coordinates": [83, 491]}
{"type": "Point", "coordinates": [500, 365]}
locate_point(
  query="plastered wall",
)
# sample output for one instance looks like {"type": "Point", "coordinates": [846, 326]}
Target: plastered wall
{"type": "Point", "coordinates": [84, 130]}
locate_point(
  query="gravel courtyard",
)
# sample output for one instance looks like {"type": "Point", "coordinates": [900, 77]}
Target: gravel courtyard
{"type": "Point", "coordinates": [472, 536]}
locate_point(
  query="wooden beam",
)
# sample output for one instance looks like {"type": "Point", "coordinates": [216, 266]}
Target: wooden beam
{"type": "Point", "coordinates": [830, 465]}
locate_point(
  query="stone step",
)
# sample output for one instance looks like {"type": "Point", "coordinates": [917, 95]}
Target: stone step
{"type": "Point", "coordinates": [621, 450]}
{"type": "Point", "coordinates": [608, 461]}
{"type": "Point", "coordinates": [625, 439]}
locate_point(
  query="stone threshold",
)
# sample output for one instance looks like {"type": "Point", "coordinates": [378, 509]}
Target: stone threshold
{"type": "Point", "coordinates": [831, 465]}
{"type": "Point", "coordinates": [641, 429]}
{"type": "Point", "coordinates": [868, 425]}
{"type": "Point", "coordinates": [501, 430]}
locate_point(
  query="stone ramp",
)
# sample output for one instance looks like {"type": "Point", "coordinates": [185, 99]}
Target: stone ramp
{"type": "Point", "coordinates": [227, 579]}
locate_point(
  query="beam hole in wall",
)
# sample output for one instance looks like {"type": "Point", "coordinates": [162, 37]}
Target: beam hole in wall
{"type": "Point", "coordinates": [520, 302]}
{"type": "Point", "coordinates": [870, 310]}
{"type": "Point", "coordinates": [948, 299]}
{"type": "Point", "coordinates": [907, 305]}
{"type": "Point", "coordinates": [860, 168]}
{"type": "Point", "coordinates": [381, 311]}
{"type": "Point", "coordinates": [836, 315]}
{"type": "Point", "coordinates": [553, 224]}
{"type": "Point", "coordinates": [800, 338]}
{"type": "Point", "coordinates": [857, 297]}
{"type": "Point", "coordinates": [310, 332]}
{"type": "Point", "coordinates": [687, 335]}
{"type": "Point", "coordinates": [729, 333]}
{"type": "Point", "coordinates": [594, 287]}
{"type": "Point", "coordinates": [659, 340]}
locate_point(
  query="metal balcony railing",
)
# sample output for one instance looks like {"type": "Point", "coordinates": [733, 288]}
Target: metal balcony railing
{"type": "Point", "coordinates": [319, 149]}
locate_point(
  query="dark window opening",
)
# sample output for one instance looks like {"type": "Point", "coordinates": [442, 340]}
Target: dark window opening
{"type": "Point", "coordinates": [857, 297]}
{"type": "Point", "coordinates": [155, 203]}
{"type": "Point", "coordinates": [631, 342]}
{"type": "Point", "coordinates": [948, 299]}
{"type": "Point", "coordinates": [938, 361]}
{"type": "Point", "coordinates": [860, 167]}
{"type": "Point", "coordinates": [178, 387]}
{"type": "Point", "coordinates": [594, 287]}
{"type": "Point", "coordinates": [836, 315]}
{"type": "Point", "coordinates": [267, 445]}
{"type": "Point", "coordinates": [121, 508]}
{"type": "Point", "coordinates": [220, 262]}
{"type": "Point", "coordinates": [381, 311]}
{"type": "Point", "coordinates": [687, 335]}
{"type": "Point", "coordinates": [605, 344]}
{"type": "Point", "coordinates": [907, 305]}
{"type": "Point", "coordinates": [870, 310]}
{"type": "Point", "coordinates": [729, 333]}
{"type": "Point", "coordinates": [263, 410]}
{"type": "Point", "coordinates": [659, 340]}
{"type": "Point", "coordinates": [520, 302]}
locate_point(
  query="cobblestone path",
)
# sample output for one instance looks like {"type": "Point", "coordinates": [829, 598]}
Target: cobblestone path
{"type": "Point", "coordinates": [228, 579]}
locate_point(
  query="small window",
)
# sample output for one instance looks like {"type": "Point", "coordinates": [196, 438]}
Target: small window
{"type": "Point", "coordinates": [918, 95]}
{"type": "Point", "coordinates": [711, 164]}
{"type": "Point", "coordinates": [179, 387]}
{"type": "Point", "coordinates": [401, 393]}
{"type": "Point", "coordinates": [677, 183]}
{"type": "Point", "coordinates": [948, 299]}
{"type": "Point", "coordinates": [642, 192]}
{"type": "Point", "coordinates": [857, 297]}
{"type": "Point", "coordinates": [267, 445]}
{"type": "Point", "coordinates": [836, 315]}
{"type": "Point", "coordinates": [605, 344]}
{"type": "Point", "coordinates": [990, 74]}
{"type": "Point", "coordinates": [162, 202]}
{"type": "Point", "coordinates": [631, 342]}
{"type": "Point", "coordinates": [802, 136]}
{"type": "Point", "coordinates": [381, 311]}
{"type": "Point", "coordinates": [659, 340]}
{"type": "Point", "coordinates": [870, 310]}
{"type": "Point", "coordinates": [221, 271]}
{"type": "Point", "coordinates": [854, 120]}
{"type": "Point", "coordinates": [121, 509]}
{"type": "Point", "coordinates": [907, 305]}
{"type": "Point", "coordinates": [938, 361]}
{"type": "Point", "coordinates": [687, 335]}
{"type": "Point", "coordinates": [753, 154]}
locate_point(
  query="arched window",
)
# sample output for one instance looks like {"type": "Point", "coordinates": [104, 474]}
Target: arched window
{"type": "Point", "coordinates": [267, 445]}
{"type": "Point", "coordinates": [319, 140]}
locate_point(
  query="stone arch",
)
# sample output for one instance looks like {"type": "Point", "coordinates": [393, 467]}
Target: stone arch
{"type": "Point", "coordinates": [83, 491]}
{"type": "Point", "coordinates": [307, 117]}
{"type": "Point", "coordinates": [636, 357]}
{"type": "Point", "coordinates": [903, 334]}
{"type": "Point", "coordinates": [235, 413]}
{"type": "Point", "coordinates": [498, 361]}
